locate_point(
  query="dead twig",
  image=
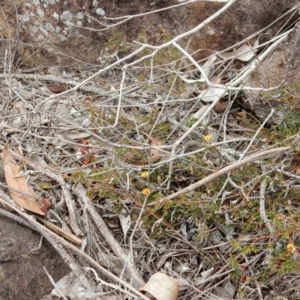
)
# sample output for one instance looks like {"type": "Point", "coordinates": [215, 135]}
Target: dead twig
{"type": "Point", "coordinates": [257, 156]}
{"type": "Point", "coordinates": [115, 246]}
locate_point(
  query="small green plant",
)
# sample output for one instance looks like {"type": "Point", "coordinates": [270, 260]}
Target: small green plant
{"type": "Point", "coordinates": [117, 41]}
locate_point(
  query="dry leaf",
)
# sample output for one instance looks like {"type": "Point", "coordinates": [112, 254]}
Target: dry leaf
{"type": "Point", "coordinates": [161, 286]}
{"type": "Point", "coordinates": [125, 221]}
{"type": "Point", "coordinates": [56, 88]}
{"type": "Point", "coordinates": [201, 112]}
{"type": "Point", "coordinates": [221, 106]}
{"type": "Point", "coordinates": [17, 182]}
{"type": "Point", "coordinates": [207, 67]}
{"type": "Point", "coordinates": [70, 286]}
{"type": "Point", "coordinates": [155, 154]}
{"type": "Point", "coordinates": [47, 203]}
{"type": "Point", "coordinates": [212, 93]}
{"type": "Point", "coordinates": [243, 53]}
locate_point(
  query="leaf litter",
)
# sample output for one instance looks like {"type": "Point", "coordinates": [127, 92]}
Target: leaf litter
{"type": "Point", "coordinates": [209, 242]}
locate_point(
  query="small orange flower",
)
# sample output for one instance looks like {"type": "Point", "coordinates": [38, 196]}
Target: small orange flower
{"type": "Point", "coordinates": [145, 174]}
{"type": "Point", "coordinates": [146, 192]}
{"type": "Point", "coordinates": [290, 248]}
{"type": "Point", "coordinates": [207, 138]}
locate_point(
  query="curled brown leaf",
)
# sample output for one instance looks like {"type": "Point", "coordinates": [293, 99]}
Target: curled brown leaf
{"type": "Point", "coordinates": [155, 154]}
{"type": "Point", "coordinates": [20, 191]}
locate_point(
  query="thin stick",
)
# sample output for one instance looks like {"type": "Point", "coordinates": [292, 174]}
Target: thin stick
{"type": "Point", "coordinates": [262, 207]}
{"type": "Point", "coordinates": [54, 284]}
{"type": "Point", "coordinates": [251, 158]}
{"type": "Point", "coordinates": [114, 245]}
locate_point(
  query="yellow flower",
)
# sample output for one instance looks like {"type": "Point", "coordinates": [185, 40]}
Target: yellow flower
{"type": "Point", "coordinates": [207, 138]}
{"type": "Point", "coordinates": [290, 248]}
{"type": "Point", "coordinates": [145, 174]}
{"type": "Point", "coordinates": [146, 192]}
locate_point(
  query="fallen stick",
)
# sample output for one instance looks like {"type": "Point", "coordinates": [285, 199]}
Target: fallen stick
{"type": "Point", "coordinates": [235, 165]}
